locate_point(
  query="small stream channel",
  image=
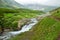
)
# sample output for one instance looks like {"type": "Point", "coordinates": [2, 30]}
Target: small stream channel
{"type": "Point", "coordinates": [25, 28]}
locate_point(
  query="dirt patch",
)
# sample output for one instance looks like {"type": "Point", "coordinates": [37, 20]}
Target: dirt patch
{"type": "Point", "coordinates": [58, 38]}
{"type": "Point", "coordinates": [56, 18]}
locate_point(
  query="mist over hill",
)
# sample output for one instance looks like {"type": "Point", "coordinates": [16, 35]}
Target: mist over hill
{"type": "Point", "coordinates": [14, 4]}
{"type": "Point", "coordinates": [44, 8]}
{"type": "Point", "coordinates": [10, 3]}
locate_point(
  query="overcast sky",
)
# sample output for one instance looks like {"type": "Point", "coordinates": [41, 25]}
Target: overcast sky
{"type": "Point", "coordinates": [44, 2]}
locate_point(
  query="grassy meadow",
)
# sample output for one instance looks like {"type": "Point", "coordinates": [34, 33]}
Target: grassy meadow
{"type": "Point", "coordinates": [47, 29]}
{"type": "Point", "coordinates": [12, 16]}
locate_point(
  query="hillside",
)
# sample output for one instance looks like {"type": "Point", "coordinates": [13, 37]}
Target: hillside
{"type": "Point", "coordinates": [47, 29]}
{"type": "Point", "coordinates": [9, 4]}
{"type": "Point", "coordinates": [14, 4]}
{"type": "Point", "coordinates": [12, 16]}
{"type": "Point", "coordinates": [44, 8]}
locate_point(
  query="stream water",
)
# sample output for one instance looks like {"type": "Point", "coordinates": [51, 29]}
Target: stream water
{"type": "Point", "coordinates": [25, 28]}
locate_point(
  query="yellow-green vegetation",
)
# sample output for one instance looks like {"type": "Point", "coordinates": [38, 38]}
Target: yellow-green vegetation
{"type": "Point", "coordinates": [12, 16]}
{"type": "Point", "coordinates": [56, 13]}
{"type": "Point", "coordinates": [47, 29]}
{"type": "Point", "coordinates": [8, 10]}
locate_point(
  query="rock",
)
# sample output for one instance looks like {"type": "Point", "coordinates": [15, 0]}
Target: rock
{"type": "Point", "coordinates": [22, 22]}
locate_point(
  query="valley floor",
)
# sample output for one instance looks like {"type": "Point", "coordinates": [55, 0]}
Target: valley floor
{"type": "Point", "coordinates": [47, 29]}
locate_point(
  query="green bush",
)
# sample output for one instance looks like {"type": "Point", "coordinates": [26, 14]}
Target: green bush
{"type": "Point", "coordinates": [11, 16]}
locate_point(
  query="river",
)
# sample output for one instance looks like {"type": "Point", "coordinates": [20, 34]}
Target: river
{"type": "Point", "coordinates": [25, 28]}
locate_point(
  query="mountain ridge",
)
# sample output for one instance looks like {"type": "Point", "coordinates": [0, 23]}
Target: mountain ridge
{"type": "Point", "coordinates": [40, 7]}
{"type": "Point", "coordinates": [10, 4]}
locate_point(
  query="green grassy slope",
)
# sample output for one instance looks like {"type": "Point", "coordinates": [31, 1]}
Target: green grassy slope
{"type": "Point", "coordinates": [10, 4]}
{"type": "Point", "coordinates": [57, 13]}
{"type": "Point", "coordinates": [12, 16]}
{"type": "Point", "coordinates": [47, 29]}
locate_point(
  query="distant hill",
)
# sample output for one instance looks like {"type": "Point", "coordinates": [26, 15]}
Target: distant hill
{"type": "Point", "coordinates": [10, 3]}
{"type": "Point", "coordinates": [44, 8]}
{"type": "Point", "coordinates": [56, 10]}
{"type": "Point", "coordinates": [14, 4]}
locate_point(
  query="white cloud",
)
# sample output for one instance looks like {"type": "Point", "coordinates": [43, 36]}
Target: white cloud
{"type": "Point", "coordinates": [44, 2]}
{"type": "Point", "coordinates": [31, 1]}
